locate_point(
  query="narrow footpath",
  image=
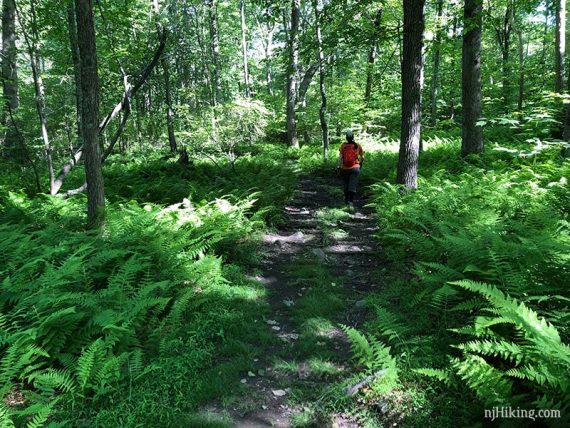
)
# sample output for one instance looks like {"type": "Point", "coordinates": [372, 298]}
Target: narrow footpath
{"type": "Point", "coordinates": [318, 269]}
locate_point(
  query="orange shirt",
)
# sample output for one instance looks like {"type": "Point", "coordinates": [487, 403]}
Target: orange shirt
{"type": "Point", "coordinates": [359, 152]}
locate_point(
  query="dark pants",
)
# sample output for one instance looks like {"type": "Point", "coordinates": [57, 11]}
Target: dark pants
{"type": "Point", "coordinates": [350, 179]}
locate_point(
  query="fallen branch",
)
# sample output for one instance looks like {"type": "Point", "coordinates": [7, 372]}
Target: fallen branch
{"type": "Point", "coordinates": [128, 94]}
{"type": "Point", "coordinates": [352, 390]}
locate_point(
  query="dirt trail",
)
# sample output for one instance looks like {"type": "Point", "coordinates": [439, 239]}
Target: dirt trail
{"type": "Point", "coordinates": [345, 248]}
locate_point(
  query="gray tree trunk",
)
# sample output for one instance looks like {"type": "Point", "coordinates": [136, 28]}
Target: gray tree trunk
{"type": "Point", "coordinates": [292, 70]}
{"type": "Point", "coordinates": [215, 46]}
{"type": "Point", "coordinates": [72, 29]}
{"type": "Point", "coordinates": [560, 45]}
{"type": "Point", "coordinates": [244, 48]}
{"type": "Point", "coordinates": [321, 59]}
{"type": "Point", "coordinates": [372, 52]}
{"type": "Point", "coordinates": [436, 60]}
{"type": "Point", "coordinates": [9, 68]}
{"type": "Point", "coordinates": [90, 113]}
{"type": "Point", "coordinates": [472, 134]}
{"type": "Point", "coordinates": [412, 64]}
{"type": "Point", "coordinates": [520, 100]}
{"type": "Point", "coordinates": [170, 110]}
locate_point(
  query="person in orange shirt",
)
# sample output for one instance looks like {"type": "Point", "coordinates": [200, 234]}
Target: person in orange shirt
{"type": "Point", "coordinates": [350, 161]}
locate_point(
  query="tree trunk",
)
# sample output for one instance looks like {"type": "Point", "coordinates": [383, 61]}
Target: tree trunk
{"type": "Point", "coordinates": [170, 110]}
{"type": "Point", "coordinates": [72, 29]}
{"type": "Point", "coordinates": [520, 100]}
{"type": "Point", "coordinates": [215, 46]}
{"type": "Point", "coordinates": [372, 52]}
{"type": "Point", "coordinates": [321, 58]}
{"type": "Point", "coordinates": [292, 74]}
{"type": "Point", "coordinates": [9, 68]}
{"type": "Point", "coordinates": [244, 48]}
{"type": "Point", "coordinates": [90, 113]}
{"type": "Point", "coordinates": [504, 39]}
{"type": "Point", "coordinates": [31, 42]}
{"type": "Point", "coordinates": [472, 134]}
{"type": "Point", "coordinates": [436, 59]}
{"type": "Point", "coordinates": [560, 45]}
{"type": "Point", "coordinates": [412, 65]}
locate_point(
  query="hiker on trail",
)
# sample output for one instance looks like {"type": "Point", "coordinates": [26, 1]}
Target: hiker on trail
{"type": "Point", "coordinates": [350, 161]}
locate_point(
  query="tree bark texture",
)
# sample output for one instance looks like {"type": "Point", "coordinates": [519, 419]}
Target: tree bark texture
{"type": "Point", "coordinates": [9, 68]}
{"type": "Point", "coordinates": [520, 100]}
{"type": "Point", "coordinates": [215, 46]}
{"type": "Point", "coordinates": [504, 39]}
{"type": "Point", "coordinates": [412, 64]}
{"type": "Point", "coordinates": [321, 59]}
{"type": "Point", "coordinates": [90, 113]}
{"type": "Point", "coordinates": [472, 134]}
{"type": "Point", "coordinates": [72, 29]}
{"type": "Point", "coordinates": [372, 53]}
{"type": "Point", "coordinates": [436, 60]}
{"type": "Point", "coordinates": [292, 69]}
{"type": "Point", "coordinates": [560, 41]}
{"type": "Point", "coordinates": [244, 48]}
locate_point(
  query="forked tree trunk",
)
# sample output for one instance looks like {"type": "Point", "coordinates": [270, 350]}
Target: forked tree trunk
{"type": "Point", "coordinates": [292, 69]}
{"type": "Point", "coordinates": [472, 134]}
{"type": "Point", "coordinates": [412, 64]}
{"type": "Point", "coordinates": [90, 113]}
{"type": "Point", "coordinates": [9, 69]}
{"type": "Point", "coordinates": [560, 41]}
{"type": "Point", "coordinates": [321, 58]}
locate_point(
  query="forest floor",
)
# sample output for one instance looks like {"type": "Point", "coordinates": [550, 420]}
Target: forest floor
{"type": "Point", "coordinates": [318, 268]}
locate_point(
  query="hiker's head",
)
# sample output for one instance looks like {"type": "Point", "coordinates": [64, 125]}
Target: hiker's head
{"type": "Point", "coordinates": [349, 136]}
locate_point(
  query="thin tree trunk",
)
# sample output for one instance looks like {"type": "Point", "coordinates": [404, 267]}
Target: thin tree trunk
{"type": "Point", "coordinates": [31, 42]}
{"type": "Point", "coordinates": [292, 74]}
{"type": "Point", "coordinates": [436, 59]}
{"type": "Point", "coordinates": [372, 52]}
{"type": "Point", "coordinates": [472, 134]}
{"type": "Point", "coordinates": [520, 100]}
{"type": "Point", "coordinates": [72, 29]}
{"type": "Point", "coordinates": [244, 48]}
{"type": "Point", "coordinates": [504, 39]}
{"type": "Point", "coordinates": [267, 46]}
{"type": "Point", "coordinates": [321, 59]}
{"type": "Point", "coordinates": [9, 68]}
{"type": "Point", "coordinates": [412, 65]}
{"type": "Point", "coordinates": [215, 46]}
{"type": "Point", "coordinates": [560, 45]}
{"type": "Point", "coordinates": [90, 113]}
{"type": "Point", "coordinates": [166, 73]}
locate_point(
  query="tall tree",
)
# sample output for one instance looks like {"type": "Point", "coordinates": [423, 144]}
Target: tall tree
{"type": "Point", "coordinates": [74, 47]}
{"type": "Point", "coordinates": [32, 41]}
{"type": "Point", "coordinates": [436, 59]}
{"type": "Point", "coordinates": [372, 53]}
{"type": "Point", "coordinates": [472, 133]}
{"type": "Point", "coordinates": [560, 41]}
{"type": "Point", "coordinates": [9, 70]}
{"type": "Point", "coordinates": [321, 59]}
{"type": "Point", "coordinates": [243, 26]}
{"type": "Point", "coordinates": [215, 47]}
{"type": "Point", "coordinates": [503, 33]}
{"type": "Point", "coordinates": [90, 113]}
{"type": "Point", "coordinates": [292, 71]}
{"type": "Point", "coordinates": [412, 64]}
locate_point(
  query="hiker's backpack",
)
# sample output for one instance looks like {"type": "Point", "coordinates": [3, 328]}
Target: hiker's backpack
{"type": "Point", "coordinates": [349, 155]}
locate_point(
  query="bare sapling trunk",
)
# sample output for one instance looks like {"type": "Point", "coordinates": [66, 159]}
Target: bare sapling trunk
{"type": "Point", "coordinates": [292, 70]}
{"type": "Point", "coordinates": [321, 59]}
{"type": "Point", "coordinates": [9, 69]}
{"type": "Point", "coordinates": [372, 53]}
{"type": "Point", "coordinates": [247, 90]}
{"type": "Point", "coordinates": [436, 60]}
{"type": "Point", "coordinates": [560, 40]}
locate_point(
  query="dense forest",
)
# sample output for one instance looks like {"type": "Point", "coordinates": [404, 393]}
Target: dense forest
{"type": "Point", "coordinates": [174, 246]}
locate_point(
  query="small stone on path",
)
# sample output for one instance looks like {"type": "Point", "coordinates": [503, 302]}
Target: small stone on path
{"type": "Point", "coordinates": [279, 392]}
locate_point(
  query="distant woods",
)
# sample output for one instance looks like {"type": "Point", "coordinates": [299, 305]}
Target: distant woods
{"type": "Point", "coordinates": [209, 77]}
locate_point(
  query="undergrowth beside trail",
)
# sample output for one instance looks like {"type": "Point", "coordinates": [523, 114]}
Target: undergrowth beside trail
{"type": "Point", "coordinates": [146, 321]}
{"type": "Point", "coordinates": [475, 300]}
